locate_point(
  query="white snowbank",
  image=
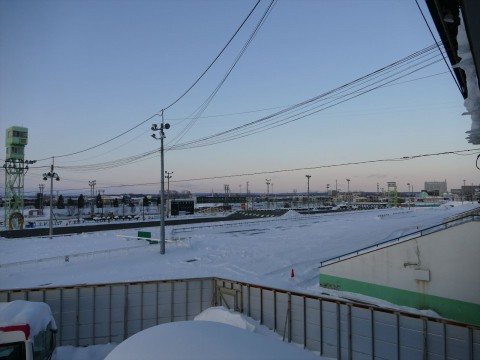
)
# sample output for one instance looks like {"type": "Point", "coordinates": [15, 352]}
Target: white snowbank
{"type": "Point", "coordinates": [291, 213]}
{"type": "Point", "coordinates": [223, 315]}
{"type": "Point", "coordinates": [19, 312]}
{"type": "Point", "coordinates": [204, 340]}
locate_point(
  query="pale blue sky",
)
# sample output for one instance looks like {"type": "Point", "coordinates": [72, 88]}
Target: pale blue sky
{"type": "Point", "coordinates": [77, 73]}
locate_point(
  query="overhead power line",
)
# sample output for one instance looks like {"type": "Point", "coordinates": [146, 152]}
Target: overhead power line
{"type": "Point", "coordinates": [377, 79]}
{"type": "Point", "coordinates": [199, 111]}
{"type": "Point", "coordinates": [466, 152]}
{"type": "Point", "coordinates": [384, 76]}
{"type": "Point", "coordinates": [170, 105]}
{"type": "Point", "coordinates": [317, 167]}
{"type": "Point", "coordinates": [214, 60]}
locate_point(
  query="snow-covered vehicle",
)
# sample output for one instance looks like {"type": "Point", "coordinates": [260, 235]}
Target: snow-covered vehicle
{"type": "Point", "coordinates": [27, 330]}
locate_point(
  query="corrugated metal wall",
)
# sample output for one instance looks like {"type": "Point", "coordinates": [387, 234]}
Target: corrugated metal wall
{"type": "Point", "coordinates": [99, 314]}
{"type": "Point", "coordinates": [343, 330]}
{"type": "Point", "coordinates": [88, 315]}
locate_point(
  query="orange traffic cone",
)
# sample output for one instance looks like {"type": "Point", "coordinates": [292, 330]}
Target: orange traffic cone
{"type": "Point", "coordinates": [292, 274]}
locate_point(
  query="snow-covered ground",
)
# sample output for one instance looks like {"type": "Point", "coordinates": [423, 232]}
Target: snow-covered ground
{"type": "Point", "coordinates": [262, 251]}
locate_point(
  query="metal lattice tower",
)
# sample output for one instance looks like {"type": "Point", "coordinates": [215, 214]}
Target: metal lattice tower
{"type": "Point", "coordinates": [15, 167]}
{"type": "Point", "coordinates": [392, 194]}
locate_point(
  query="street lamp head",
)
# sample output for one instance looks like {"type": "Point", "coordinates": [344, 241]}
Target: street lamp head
{"type": "Point", "coordinates": [154, 136]}
{"type": "Point", "coordinates": [57, 178]}
{"type": "Point", "coordinates": [154, 127]}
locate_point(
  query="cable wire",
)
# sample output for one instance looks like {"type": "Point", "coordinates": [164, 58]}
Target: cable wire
{"type": "Point", "coordinates": [199, 111]}
{"type": "Point", "coordinates": [465, 152]}
{"type": "Point", "coordinates": [275, 118]}
{"type": "Point", "coordinates": [151, 117]}
{"type": "Point", "coordinates": [375, 80]}
{"type": "Point", "coordinates": [214, 60]}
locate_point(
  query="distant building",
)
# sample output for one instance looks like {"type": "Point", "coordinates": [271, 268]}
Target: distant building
{"type": "Point", "coordinates": [434, 186]}
{"type": "Point", "coordinates": [467, 193]}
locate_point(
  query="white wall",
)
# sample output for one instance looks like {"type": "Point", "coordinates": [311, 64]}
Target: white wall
{"type": "Point", "coordinates": [450, 258]}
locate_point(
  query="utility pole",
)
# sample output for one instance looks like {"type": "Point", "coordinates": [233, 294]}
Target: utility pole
{"type": "Point", "coordinates": [168, 177]}
{"type": "Point", "coordinates": [267, 181]}
{"type": "Point", "coordinates": [308, 191]}
{"type": "Point", "coordinates": [92, 195]}
{"type": "Point", "coordinates": [473, 192]}
{"type": "Point", "coordinates": [409, 195]}
{"type": "Point", "coordinates": [99, 192]}
{"type": "Point", "coordinates": [273, 196]}
{"type": "Point", "coordinates": [51, 175]}
{"type": "Point", "coordinates": [41, 187]}
{"type": "Point", "coordinates": [226, 188]}
{"type": "Point", "coordinates": [326, 197]}
{"type": "Point", "coordinates": [163, 126]}
{"type": "Point", "coordinates": [246, 196]}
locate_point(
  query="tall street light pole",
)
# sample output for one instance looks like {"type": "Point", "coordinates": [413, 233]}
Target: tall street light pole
{"type": "Point", "coordinates": [409, 195]}
{"type": "Point", "coordinates": [308, 191]}
{"type": "Point", "coordinates": [246, 196]}
{"type": "Point", "coordinates": [51, 175]}
{"type": "Point", "coordinates": [163, 126]}
{"type": "Point", "coordinates": [41, 187]}
{"type": "Point", "coordinates": [267, 181]}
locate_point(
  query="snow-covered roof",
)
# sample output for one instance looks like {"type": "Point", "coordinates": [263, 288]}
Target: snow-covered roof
{"type": "Point", "coordinates": [472, 102]}
{"type": "Point", "coordinates": [20, 312]}
{"type": "Point", "coordinates": [457, 24]}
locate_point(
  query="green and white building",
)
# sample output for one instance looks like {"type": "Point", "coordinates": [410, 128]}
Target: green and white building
{"type": "Point", "coordinates": [436, 269]}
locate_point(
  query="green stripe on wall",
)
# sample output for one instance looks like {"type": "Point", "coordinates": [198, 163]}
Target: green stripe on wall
{"type": "Point", "coordinates": [451, 309]}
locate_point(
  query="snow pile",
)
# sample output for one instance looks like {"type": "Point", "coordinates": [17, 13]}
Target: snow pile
{"type": "Point", "coordinates": [204, 340]}
{"type": "Point", "coordinates": [222, 315]}
{"type": "Point", "coordinates": [472, 102]}
{"type": "Point", "coordinates": [291, 213]}
{"type": "Point", "coordinates": [20, 312]}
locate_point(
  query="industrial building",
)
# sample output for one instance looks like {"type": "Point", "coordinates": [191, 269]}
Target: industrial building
{"type": "Point", "coordinates": [435, 268]}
